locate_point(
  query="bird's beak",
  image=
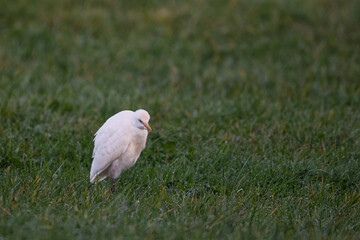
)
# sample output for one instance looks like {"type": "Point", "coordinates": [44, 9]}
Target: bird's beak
{"type": "Point", "coordinates": [147, 126]}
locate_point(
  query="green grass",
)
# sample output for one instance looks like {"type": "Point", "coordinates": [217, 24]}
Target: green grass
{"type": "Point", "coordinates": [255, 108]}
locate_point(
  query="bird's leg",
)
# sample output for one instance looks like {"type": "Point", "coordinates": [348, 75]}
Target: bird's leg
{"type": "Point", "coordinates": [112, 186]}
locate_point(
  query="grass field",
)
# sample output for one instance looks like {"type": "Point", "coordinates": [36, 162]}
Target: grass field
{"type": "Point", "coordinates": [255, 108]}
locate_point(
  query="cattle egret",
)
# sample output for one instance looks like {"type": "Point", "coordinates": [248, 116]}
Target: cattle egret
{"type": "Point", "coordinates": [118, 144]}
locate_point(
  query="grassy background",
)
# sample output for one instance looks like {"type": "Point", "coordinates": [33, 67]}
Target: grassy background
{"type": "Point", "coordinates": [255, 109]}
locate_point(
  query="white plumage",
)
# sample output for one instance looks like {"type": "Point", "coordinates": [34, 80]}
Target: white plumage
{"type": "Point", "coordinates": [118, 144]}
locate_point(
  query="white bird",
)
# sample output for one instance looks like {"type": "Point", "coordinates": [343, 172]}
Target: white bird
{"type": "Point", "coordinates": [118, 144]}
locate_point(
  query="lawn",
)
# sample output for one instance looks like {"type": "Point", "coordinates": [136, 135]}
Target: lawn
{"type": "Point", "coordinates": [255, 110]}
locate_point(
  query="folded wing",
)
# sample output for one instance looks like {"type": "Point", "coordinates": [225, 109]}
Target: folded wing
{"type": "Point", "coordinates": [110, 141]}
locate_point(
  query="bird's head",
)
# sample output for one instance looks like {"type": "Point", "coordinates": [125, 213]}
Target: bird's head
{"type": "Point", "coordinates": [142, 118]}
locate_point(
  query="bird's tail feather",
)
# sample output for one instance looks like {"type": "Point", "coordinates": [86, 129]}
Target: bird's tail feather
{"type": "Point", "coordinates": [98, 177]}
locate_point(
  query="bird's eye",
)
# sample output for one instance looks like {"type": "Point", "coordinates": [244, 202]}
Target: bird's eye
{"type": "Point", "coordinates": [140, 120]}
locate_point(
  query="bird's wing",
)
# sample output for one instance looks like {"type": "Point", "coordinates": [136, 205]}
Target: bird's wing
{"type": "Point", "coordinates": [110, 127]}
{"type": "Point", "coordinates": [111, 141]}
